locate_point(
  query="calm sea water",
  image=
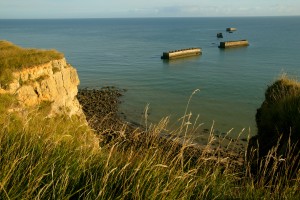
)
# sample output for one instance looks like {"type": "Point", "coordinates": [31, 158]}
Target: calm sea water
{"type": "Point", "coordinates": [126, 53]}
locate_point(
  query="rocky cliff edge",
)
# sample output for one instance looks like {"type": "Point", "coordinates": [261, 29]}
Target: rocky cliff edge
{"type": "Point", "coordinates": [54, 82]}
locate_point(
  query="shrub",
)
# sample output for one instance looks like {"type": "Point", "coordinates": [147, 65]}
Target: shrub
{"type": "Point", "coordinates": [278, 125]}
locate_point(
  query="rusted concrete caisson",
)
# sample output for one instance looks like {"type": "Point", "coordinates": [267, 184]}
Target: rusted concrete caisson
{"type": "Point", "coordinates": [237, 43]}
{"type": "Point", "coordinates": [181, 53]}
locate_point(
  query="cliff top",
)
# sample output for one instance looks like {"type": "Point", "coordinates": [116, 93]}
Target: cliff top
{"type": "Point", "coordinates": [13, 57]}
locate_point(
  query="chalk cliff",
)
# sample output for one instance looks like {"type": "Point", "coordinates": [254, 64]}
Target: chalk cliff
{"type": "Point", "coordinates": [54, 82]}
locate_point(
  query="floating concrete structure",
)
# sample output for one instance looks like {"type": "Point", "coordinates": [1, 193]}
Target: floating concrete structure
{"type": "Point", "coordinates": [230, 44]}
{"type": "Point", "coordinates": [231, 29]}
{"type": "Point", "coordinates": [219, 35]}
{"type": "Point", "coordinates": [181, 53]}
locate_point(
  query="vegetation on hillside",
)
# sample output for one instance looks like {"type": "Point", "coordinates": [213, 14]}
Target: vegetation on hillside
{"type": "Point", "coordinates": [42, 158]}
{"type": "Point", "coordinates": [278, 125]}
{"type": "Point", "coordinates": [14, 58]}
{"type": "Point", "coordinates": [59, 157]}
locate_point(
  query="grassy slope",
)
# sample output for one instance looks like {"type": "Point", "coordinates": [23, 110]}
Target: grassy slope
{"type": "Point", "coordinates": [14, 58]}
{"type": "Point", "coordinates": [42, 158]}
{"type": "Point", "coordinates": [50, 159]}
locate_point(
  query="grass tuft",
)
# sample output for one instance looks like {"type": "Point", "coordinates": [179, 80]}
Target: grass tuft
{"type": "Point", "coordinates": [14, 58]}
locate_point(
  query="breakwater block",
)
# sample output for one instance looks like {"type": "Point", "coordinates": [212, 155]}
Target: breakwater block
{"type": "Point", "coordinates": [231, 29]}
{"type": "Point", "coordinates": [237, 43]}
{"type": "Point", "coordinates": [181, 53]}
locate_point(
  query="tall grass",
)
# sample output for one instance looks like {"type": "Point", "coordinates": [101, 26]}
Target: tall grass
{"type": "Point", "coordinates": [59, 158]}
{"type": "Point", "coordinates": [14, 58]}
{"type": "Point", "coordinates": [42, 158]}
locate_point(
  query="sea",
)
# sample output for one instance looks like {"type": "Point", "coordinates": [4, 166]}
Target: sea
{"type": "Point", "coordinates": [220, 90]}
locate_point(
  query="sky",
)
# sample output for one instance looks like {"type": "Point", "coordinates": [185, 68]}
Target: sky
{"type": "Point", "coordinates": [41, 9]}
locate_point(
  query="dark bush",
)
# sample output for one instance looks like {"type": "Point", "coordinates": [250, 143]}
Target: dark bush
{"type": "Point", "coordinates": [278, 128]}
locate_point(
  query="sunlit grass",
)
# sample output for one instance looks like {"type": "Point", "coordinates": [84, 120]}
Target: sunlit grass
{"type": "Point", "coordinates": [42, 158]}
{"type": "Point", "coordinates": [14, 58]}
{"type": "Point", "coordinates": [60, 157]}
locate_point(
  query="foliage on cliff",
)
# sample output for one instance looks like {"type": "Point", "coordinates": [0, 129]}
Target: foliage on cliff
{"type": "Point", "coordinates": [59, 157]}
{"type": "Point", "coordinates": [278, 126]}
{"type": "Point", "coordinates": [280, 112]}
{"type": "Point", "coordinates": [52, 158]}
{"type": "Point", "coordinates": [13, 58]}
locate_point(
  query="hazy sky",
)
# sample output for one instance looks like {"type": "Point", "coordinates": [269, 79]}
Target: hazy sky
{"type": "Point", "coordinates": [145, 8]}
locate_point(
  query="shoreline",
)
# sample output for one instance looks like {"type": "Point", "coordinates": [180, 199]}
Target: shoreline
{"type": "Point", "coordinates": [101, 107]}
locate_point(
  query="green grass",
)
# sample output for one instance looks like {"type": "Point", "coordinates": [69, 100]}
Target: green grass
{"type": "Point", "coordinates": [58, 158]}
{"type": "Point", "coordinates": [281, 107]}
{"type": "Point", "coordinates": [279, 118]}
{"type": "Point", "coordinates": [43, 158]}
{"type": "Point", "coordinates": [14, 58]}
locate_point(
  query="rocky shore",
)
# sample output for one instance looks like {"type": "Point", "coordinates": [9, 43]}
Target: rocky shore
{"type": "Point", "coordinates": [101, 108]}
{"type": "Point", "coordinates": [100, 103]}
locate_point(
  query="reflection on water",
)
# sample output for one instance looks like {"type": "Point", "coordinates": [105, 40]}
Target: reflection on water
{"type": "Point", "coordinates": [179, 61]}
{"type": "Point", "coordinates": [240, 49]}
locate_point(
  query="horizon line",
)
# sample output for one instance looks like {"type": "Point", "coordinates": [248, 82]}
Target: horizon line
{"type": "Point", "coordinates": [58, 18]}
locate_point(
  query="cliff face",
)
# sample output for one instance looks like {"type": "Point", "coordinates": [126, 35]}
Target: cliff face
{"type": "Point", "coordinates": [54, 82]}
